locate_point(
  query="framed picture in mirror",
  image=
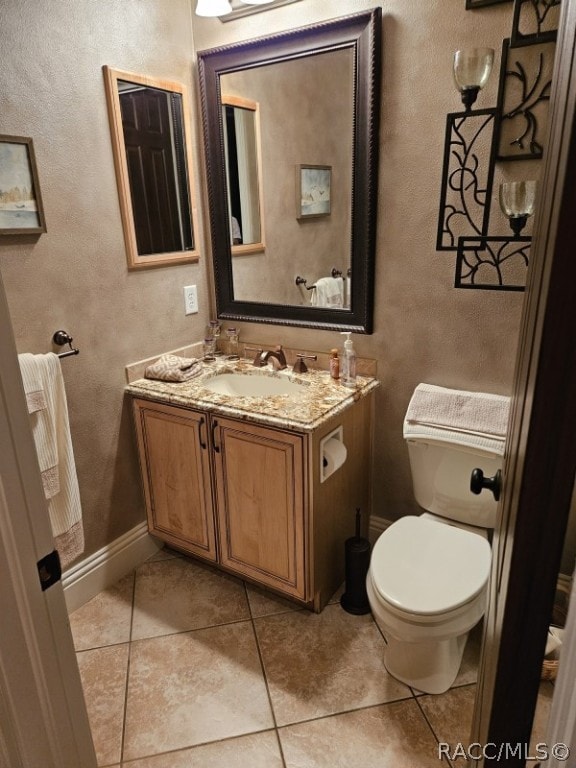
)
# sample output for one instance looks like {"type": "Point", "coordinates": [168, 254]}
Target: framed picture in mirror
{"type": "Point", "coordinates": [313, 184]}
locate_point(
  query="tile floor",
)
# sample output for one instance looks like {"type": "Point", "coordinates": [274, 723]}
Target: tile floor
{"type": "Point", "coordinates": [187, 667]}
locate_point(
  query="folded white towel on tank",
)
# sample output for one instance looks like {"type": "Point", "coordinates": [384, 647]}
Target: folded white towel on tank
{"type": "Point", "coordinates": [457, 409]}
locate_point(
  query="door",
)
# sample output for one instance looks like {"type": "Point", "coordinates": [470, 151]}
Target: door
{"type": "Point", "coordinates": [149, 155]}
{"type": "Point", "coordinates": [174, 460]}
{"type": "Point", "coordinates": [261, 510]}
{"type": "Point", "coordinates": [43, 720]}
{"type": "Point", "coordinates": [540, 464]}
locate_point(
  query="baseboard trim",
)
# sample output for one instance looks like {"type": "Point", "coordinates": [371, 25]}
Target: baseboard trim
{"type": "Point", "coordinates": [103, 568]}
{"type": "Point", "coordinates": [377, 526]}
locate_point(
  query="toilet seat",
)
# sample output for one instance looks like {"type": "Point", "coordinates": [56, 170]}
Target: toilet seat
{"type": "Point", "coordinates": [423, 567]}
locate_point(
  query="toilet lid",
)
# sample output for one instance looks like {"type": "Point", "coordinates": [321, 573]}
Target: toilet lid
{"type": "Point", "coordinates": [425, 567]}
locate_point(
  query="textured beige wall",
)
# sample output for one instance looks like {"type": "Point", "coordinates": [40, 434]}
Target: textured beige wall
{"type": "Point", "coordinates": [75, 277]}
{"type": "Point", "coordinates": [424, 329]}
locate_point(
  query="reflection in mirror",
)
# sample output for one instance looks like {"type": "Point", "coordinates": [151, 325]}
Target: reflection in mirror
{"type": "Point", "coordinates": [318, 94]}
{"type": "Point", "coordinates": [241, 126]}
{"type": "Point", "coordinates": [151, 145]}
{"type": "Point", "coordinates": [304, 121]}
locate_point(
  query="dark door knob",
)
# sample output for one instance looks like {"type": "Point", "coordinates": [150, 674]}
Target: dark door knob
{"type": "Point", "coordinates": [478, 482]}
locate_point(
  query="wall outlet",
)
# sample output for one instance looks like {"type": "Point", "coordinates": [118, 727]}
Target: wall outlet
{"type": "Point", "coordinates": [190, 299]}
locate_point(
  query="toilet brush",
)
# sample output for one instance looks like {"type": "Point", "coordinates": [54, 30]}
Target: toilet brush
{"type": "Point", "coordinates": [357, 554]}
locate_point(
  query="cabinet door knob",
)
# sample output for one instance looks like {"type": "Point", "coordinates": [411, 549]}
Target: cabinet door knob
{"type": "Point", "coordinates": [214, 425]}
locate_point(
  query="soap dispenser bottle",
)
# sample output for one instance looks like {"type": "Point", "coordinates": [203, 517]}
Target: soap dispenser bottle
{"type": "Point", "coordinates": [348, 363]}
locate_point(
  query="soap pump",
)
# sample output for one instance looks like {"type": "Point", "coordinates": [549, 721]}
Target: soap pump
{"type": "Point", "coordinates": [348, 363]}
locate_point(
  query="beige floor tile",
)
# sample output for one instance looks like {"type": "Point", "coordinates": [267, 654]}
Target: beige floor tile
{"type": "Point", "coordinates": [178, 594]}
{"type": "Point", "coordinates": [320, 664]}
{"type": "Point", "coordinates": [450, 715]}
{"type": "Point", "coordinates": [259, 750]}
{"type": "Point", "coordinates": [389, 736]}
{"type": "Point", "coordinates": [164, 554]}
{"type": "Point", "coordinates": [104, 620]}
{"type": "Point", "coordinates": [194, 687]}
{"type": "Point", "coordinates": [103, 673]}
{"type": "Point", "coordinates": [265, 603]}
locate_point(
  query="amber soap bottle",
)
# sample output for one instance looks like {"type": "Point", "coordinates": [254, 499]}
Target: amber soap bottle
{"type": "Point", "coordinates": [334, 364]}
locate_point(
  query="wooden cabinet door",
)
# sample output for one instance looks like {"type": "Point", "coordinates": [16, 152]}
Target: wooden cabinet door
{"type": "Point", "coordinates": [260, 497]}
{"type": "Point", "coordinates": [175, 464]}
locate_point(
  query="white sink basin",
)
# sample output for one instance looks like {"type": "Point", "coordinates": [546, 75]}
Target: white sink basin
{"type": "Point", "coordinates": [252, 385]}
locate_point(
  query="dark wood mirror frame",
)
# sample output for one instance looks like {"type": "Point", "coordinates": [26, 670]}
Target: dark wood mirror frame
{"type": "Point", "coordinates": [362, 33]}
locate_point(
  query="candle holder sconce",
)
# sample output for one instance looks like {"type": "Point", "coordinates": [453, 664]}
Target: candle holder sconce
{"type": "Point", "coordinates": [476, 140]}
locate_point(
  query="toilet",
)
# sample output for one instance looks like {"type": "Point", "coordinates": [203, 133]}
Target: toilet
{"type": "Point", "coordinates": [427, 583]}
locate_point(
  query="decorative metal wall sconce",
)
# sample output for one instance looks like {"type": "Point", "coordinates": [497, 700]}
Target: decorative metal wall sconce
{"type": "Point", "coordinates": [477, 139]}
{"type": "Point", "coordinates": [499, 263]}
{"type": "Point", "coordinates": [467, 177]}
{"type": "Point", "coordinates": [471, 70]}
{"type": "Point", "coordinates": [469, 148]}
{"type": "Point", "coordinates": [523, 96]}
{"type": "Point", "coordinates": [535, 21]}
{"type": "Point", "coordinates": [492, 263]}
{"type": "Point", "coordinates": [517, 201]}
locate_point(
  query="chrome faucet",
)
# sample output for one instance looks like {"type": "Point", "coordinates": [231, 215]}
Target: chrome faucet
{"type": "Point", "coordinates": [277, 357]}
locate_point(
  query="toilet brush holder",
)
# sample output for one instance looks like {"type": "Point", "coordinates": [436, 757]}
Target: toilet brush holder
{"type": "Point", "coordinates": [357, 560]}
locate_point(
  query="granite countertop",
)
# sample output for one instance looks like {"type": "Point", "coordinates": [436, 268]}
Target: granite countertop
{"type": "Point", "coordinates": [322, 397]}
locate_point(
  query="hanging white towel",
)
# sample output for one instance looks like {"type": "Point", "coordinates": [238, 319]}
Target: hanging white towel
{"type": "Point", "coordinates": [455, 409]}
{"type": "Point", "coordinates": [51, 431]}
{"type": "Point", "coordinates": [328, 292]}
{"type": "Point", "coordinates": [41, 421]}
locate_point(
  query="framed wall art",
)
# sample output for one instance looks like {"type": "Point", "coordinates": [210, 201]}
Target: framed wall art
{"type": "Point", "coordinates": [21, 210]}
{"type": "Point", "coordinates": [482, 3]}
{"type": "Point", "coordinates": [313, 191]}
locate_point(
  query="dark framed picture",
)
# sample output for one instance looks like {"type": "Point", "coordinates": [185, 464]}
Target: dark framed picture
{"type": "Point", "coordinates": [313, 191]}
{"type": "Point", "coordinates": [21, 210]}
{"type": "Point", "coordinates": [482, 3]}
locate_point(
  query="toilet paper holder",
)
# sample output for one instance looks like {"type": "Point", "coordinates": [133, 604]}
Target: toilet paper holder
{"type": "Point", "coordinates": [332, 453]}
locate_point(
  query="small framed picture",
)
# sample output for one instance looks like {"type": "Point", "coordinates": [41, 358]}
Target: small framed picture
{"type": "Point", "coordinates": [481, 3]}
{"type": "Point", "coordinates": [21, 210]}
{"type": "Point", "coordinates": [313, 191]}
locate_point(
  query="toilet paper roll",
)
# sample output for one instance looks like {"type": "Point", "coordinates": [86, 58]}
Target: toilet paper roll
{"type": "Point", "coordinates": [333, 456]}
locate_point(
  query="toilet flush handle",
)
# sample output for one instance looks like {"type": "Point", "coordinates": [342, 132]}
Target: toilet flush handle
{"type": "Point", "coordinates": [478, 482]}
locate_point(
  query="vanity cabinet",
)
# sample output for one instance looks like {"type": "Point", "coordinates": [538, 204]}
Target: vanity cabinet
{"type": "Point", "coordinates": [260, 492]}
{"type": "Point", "coordinates": [175, 466]}
{"type": "Point", "coordinates": [248, 496]}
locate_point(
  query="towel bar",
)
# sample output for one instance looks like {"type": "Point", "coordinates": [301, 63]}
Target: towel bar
{"type": "Point", "coordinates": [335, 273]}
{"type": "Point", "coordinates": [60, 338]}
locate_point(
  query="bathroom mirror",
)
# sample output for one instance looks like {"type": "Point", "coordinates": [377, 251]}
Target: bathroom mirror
{"type": "Point", "coordinates": [151, 146]}
{"type": "Point", "coordinates": [318, 93]}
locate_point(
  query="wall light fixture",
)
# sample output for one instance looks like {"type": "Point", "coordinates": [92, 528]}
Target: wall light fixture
{"type": "Point", "coordinates": [517, 201]}
{"type": "Point", "coordinates": [227, 10]}
{"type": "Point", "coordinates": [471, 72]}
{"type": "Point", "coordinates": [213, 7]}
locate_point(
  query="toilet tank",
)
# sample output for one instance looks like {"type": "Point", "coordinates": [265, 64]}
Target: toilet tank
{"type": "Point", "coordinates": [441, 472]}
